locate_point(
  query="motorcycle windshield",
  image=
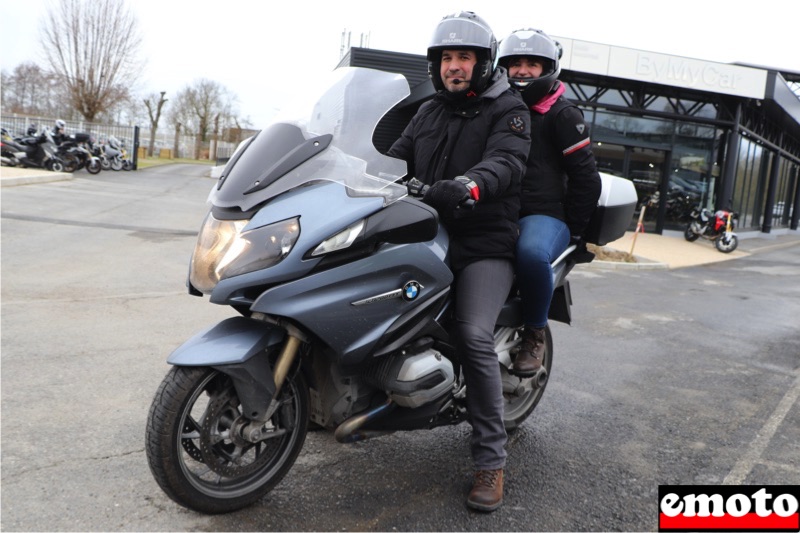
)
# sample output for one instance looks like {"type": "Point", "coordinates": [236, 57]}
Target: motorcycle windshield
{"type": "Point", "coordinates": [326, 136]}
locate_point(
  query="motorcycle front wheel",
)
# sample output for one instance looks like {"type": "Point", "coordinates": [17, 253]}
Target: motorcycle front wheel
{"type": "Point", "coordinates": [116, 164]}
{"type": "Point", "coordinates": [521, 395]}
{"type": "Point", "coordinates": [689, 233]}
{"type": "Point", "coordinates": [195, 447]}
{"type": "Point", "coordinates": [726, 244]}
{"type": "Point", "coordinates": [94, 167]}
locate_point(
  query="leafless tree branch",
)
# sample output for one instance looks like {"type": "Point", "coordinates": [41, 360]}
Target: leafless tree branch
{"type": "Point", "coordinates": [94, 45]}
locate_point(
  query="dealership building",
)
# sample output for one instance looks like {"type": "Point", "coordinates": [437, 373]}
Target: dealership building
{"type": "Point", "coordinates": [686, 131]}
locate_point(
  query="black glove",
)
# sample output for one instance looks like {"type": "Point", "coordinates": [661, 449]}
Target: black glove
{"type": "Point", "coordinates": [447, 195]}
{"type": "Point", "coordinates": [581, 253]}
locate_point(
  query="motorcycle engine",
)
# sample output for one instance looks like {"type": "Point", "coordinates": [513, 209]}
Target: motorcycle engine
{"type": "Point", "coordinates": [413, 379]}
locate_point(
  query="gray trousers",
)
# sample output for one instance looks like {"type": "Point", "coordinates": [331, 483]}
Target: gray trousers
{"type": "Point", "coordinates": [480, 291]}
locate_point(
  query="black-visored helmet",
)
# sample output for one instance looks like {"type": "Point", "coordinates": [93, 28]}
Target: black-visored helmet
{"type": "Point", "coordinates": [531, 42]}
{"type": "Point", "coordinates": [463, 30]}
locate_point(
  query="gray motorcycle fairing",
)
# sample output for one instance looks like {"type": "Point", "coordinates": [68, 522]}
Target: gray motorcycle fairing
{"type": "Point", "coordinates": [324, 302]}
{"type": "Point", "coordinates": [232, 341]}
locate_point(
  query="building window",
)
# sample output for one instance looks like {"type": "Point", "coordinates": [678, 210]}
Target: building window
{"type": "Point", "coordinates": [751, 165]}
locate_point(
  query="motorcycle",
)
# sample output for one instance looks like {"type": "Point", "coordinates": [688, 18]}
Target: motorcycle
{"type": "Point", "coordinates": [342, 282]}
{"type": "Point", "coordinates": [36, 151]}
{"type": "Point", "coordinates": [717, 227]}
{"type": "Point", "coordinates": [77, 153]}
{"type": "Point", "coordinates": [114, 155]}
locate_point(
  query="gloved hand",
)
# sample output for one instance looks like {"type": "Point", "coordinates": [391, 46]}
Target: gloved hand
{"type": "Point", "coordinates": [447, 195]}
{"type": "Point", "coordinates": [581, 253]}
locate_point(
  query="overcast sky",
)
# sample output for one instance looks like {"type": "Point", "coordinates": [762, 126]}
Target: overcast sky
{"type": "Point", "coordinates": [262, 51]}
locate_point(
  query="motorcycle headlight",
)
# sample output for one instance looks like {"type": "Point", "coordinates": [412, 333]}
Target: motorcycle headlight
{"type": "Point", "coordinates": [224, 250]}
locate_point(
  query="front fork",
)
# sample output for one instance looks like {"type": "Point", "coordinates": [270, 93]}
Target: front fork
{"type": "Point", "coordinates": [294, 339]}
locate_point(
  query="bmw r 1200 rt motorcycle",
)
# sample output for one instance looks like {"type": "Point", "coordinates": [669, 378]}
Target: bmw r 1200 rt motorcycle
{"type": "Point", "coordinates": [342, 284]}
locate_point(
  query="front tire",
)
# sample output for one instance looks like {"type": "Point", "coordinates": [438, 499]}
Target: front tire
{"type": "Point", "coordinates": [521, 395]}
{"type": "Point", "coordinates": [94, 167]}
{"type": "Point", "coordinates": [726, 245]}
{"type": "Point", "coordinates": [199, 458]}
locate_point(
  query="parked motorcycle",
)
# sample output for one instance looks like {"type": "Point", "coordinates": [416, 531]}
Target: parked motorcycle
{"type": "Point", "coordinates": [342, 281]}
{"type": "Point", "coordinates": [76, 152]}
{"type": "Point", "coordinates": [36, 150]}
{"type": "Point", "coordinates": [114, 154]}
{"type": "Point", "coordinates": [717, 227]}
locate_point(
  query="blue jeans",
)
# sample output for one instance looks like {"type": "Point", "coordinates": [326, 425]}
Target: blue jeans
{"type": "Point", "coordinates": [541, 240]}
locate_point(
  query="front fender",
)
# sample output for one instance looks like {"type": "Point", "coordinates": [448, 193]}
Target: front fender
{"type": "Point", "coordinates": [230, 342]}
{"type": "Point", "coordinates": [229, 347]}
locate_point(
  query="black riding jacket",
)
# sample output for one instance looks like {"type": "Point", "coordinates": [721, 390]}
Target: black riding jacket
{"type": "Point", "coordinates": [561, 180]}
{"type": "Point", "coordinates": [485, 137]}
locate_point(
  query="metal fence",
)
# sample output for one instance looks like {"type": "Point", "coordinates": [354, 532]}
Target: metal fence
{"type": "Point", "coordinates": [18, 125]}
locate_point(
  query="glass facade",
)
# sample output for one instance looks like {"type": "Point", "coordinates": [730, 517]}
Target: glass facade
{"type": "Point", "coordinates": [675, 159]}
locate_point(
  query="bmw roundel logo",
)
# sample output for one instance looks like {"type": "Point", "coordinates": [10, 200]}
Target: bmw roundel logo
{"type": "Point", "coordinates": [411, 290]}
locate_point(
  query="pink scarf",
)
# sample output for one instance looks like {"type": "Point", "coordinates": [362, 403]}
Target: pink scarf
{"type": "Point", "coordinates": [544, 105]}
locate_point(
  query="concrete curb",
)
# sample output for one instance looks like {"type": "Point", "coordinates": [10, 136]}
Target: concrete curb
{"type": "Point", "coordinates": [641, 264]}
{"type": "Point", "coordinates": [8, 179]}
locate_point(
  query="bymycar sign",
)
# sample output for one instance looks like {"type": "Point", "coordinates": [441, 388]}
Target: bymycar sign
{"type": "Point", "coordinates": [651, 67]}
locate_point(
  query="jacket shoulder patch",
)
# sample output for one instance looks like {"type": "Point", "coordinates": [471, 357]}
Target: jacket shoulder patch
{"type": "Point", "coordinates": [516, 124]}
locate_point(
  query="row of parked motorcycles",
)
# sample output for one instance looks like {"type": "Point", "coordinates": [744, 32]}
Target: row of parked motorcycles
{"type": "Point", "coordinates": [40, 149]}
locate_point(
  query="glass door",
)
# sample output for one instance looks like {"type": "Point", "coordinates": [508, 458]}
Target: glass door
{"type": "Point", "coordinates": [645, 168]}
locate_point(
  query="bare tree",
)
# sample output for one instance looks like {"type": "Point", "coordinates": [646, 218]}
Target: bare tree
{"type": "Point", "coordinates": [94, 46]}
{"type": "Point", "coordinates": [201, 108]}
{"type": "Point", "coordinates": [31, 90]}
{"type": "Point", "coordinates": [154, 112]}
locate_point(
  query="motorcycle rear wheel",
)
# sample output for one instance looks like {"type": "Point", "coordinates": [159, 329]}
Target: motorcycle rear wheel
{"type": "Point", "coordinates": [690, 235]}
{"type": "Point", "coordinates": [726, 246]}
{"type": "Point", "coordinates": [55, 165]}
{"type": "Point", "coordinates": [116, 164]}
{"type": "Point", "coordinates": [521, 395]}
{"type": "Point", "coordinates": [195, 456]}
{"type": "Point", "coordinates": [70, 163]}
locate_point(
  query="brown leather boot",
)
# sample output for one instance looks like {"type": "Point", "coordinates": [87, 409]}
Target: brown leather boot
{"type": "Point", "coordinates": [531, 353]}
{"type": "Point", "coordinates": [487, 490]}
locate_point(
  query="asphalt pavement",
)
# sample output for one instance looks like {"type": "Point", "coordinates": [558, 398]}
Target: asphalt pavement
{"type": "Point", "coordinates": [676, 375]}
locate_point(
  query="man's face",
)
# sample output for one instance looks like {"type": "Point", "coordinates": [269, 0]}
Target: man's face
{"type": "Point", "coordinates": [456, 69]}
{"type": "Point", "coordinates": [525, 67]}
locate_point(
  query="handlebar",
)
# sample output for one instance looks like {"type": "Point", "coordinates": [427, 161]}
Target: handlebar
{"type": "Point", "coordinates": [418, 189]}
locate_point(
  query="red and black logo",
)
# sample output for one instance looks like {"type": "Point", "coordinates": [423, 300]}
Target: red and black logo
{"type": "Point", "coordinates": [728, 508]}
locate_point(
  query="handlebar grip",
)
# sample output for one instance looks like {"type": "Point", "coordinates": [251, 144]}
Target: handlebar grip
{"type": "Point", "coordinates": [416, 188]}
{"type": "Point", "coordinates": [469, 202]}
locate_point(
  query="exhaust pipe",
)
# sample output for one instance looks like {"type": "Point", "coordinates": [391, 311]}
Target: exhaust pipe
{"type": "Point", "coordinates": [350, 430]}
